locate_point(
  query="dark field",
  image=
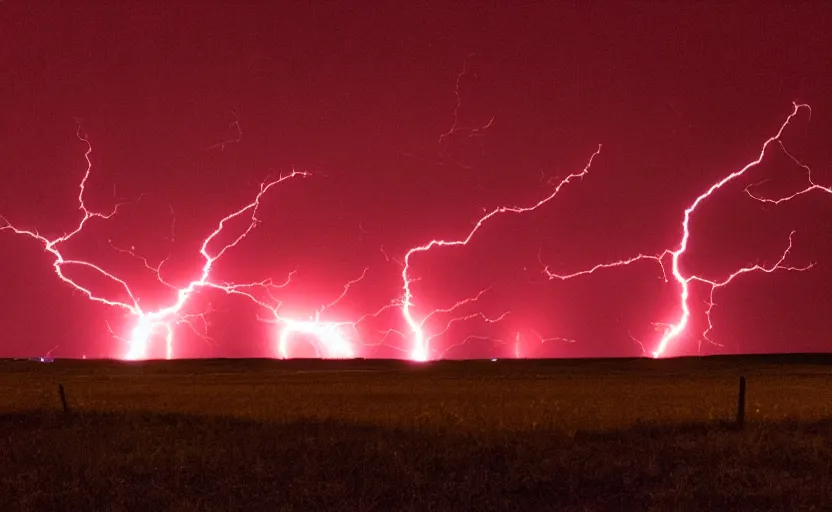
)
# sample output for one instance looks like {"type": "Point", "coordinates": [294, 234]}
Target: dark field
{"type": "Point", "coordinates": [364, 435]}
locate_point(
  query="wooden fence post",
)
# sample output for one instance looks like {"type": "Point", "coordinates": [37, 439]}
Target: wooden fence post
{"type": "Point", "coordinates": [62, 394]}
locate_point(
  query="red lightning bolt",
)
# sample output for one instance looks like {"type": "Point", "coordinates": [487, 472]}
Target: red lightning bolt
{"type": "Point", "coordinates": [151, 323]}
{"type": "Point", "coordinates": [455, 127]}
{"type": "Point", "coordinates": [674, 331]}
{"type": "Point", "coordinates": [421, 344]}
{"type": "Point", "coordinates": [51, 245]}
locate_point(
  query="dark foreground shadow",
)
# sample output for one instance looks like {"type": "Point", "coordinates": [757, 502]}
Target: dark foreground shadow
{"type": "Point", "coordinates": [174, 462]}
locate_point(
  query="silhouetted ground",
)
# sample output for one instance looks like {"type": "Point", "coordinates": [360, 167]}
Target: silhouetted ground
{"type": "Point", "coordinates": [362, 435]}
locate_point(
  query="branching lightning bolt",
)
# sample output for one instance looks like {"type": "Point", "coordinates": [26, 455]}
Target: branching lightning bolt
{"type": "Point", "coordinates": [421, 346]}
{"type": "Point", "coordinates": [675, 330]}
{"type": "Point", "coordinates": [455, 127]}
{"type": "Point", "coordinates": [161, 321]}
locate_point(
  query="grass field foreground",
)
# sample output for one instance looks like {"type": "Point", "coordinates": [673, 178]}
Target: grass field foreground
{"type": "Point", "coordinates": [361, 435]}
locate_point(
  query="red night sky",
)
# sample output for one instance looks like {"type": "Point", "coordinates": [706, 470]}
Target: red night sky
{"type": "Point", "coordinates": [678, 97]}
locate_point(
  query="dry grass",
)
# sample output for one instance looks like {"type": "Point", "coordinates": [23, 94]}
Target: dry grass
{"type": "Point", "coordinates": [265, 435]}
